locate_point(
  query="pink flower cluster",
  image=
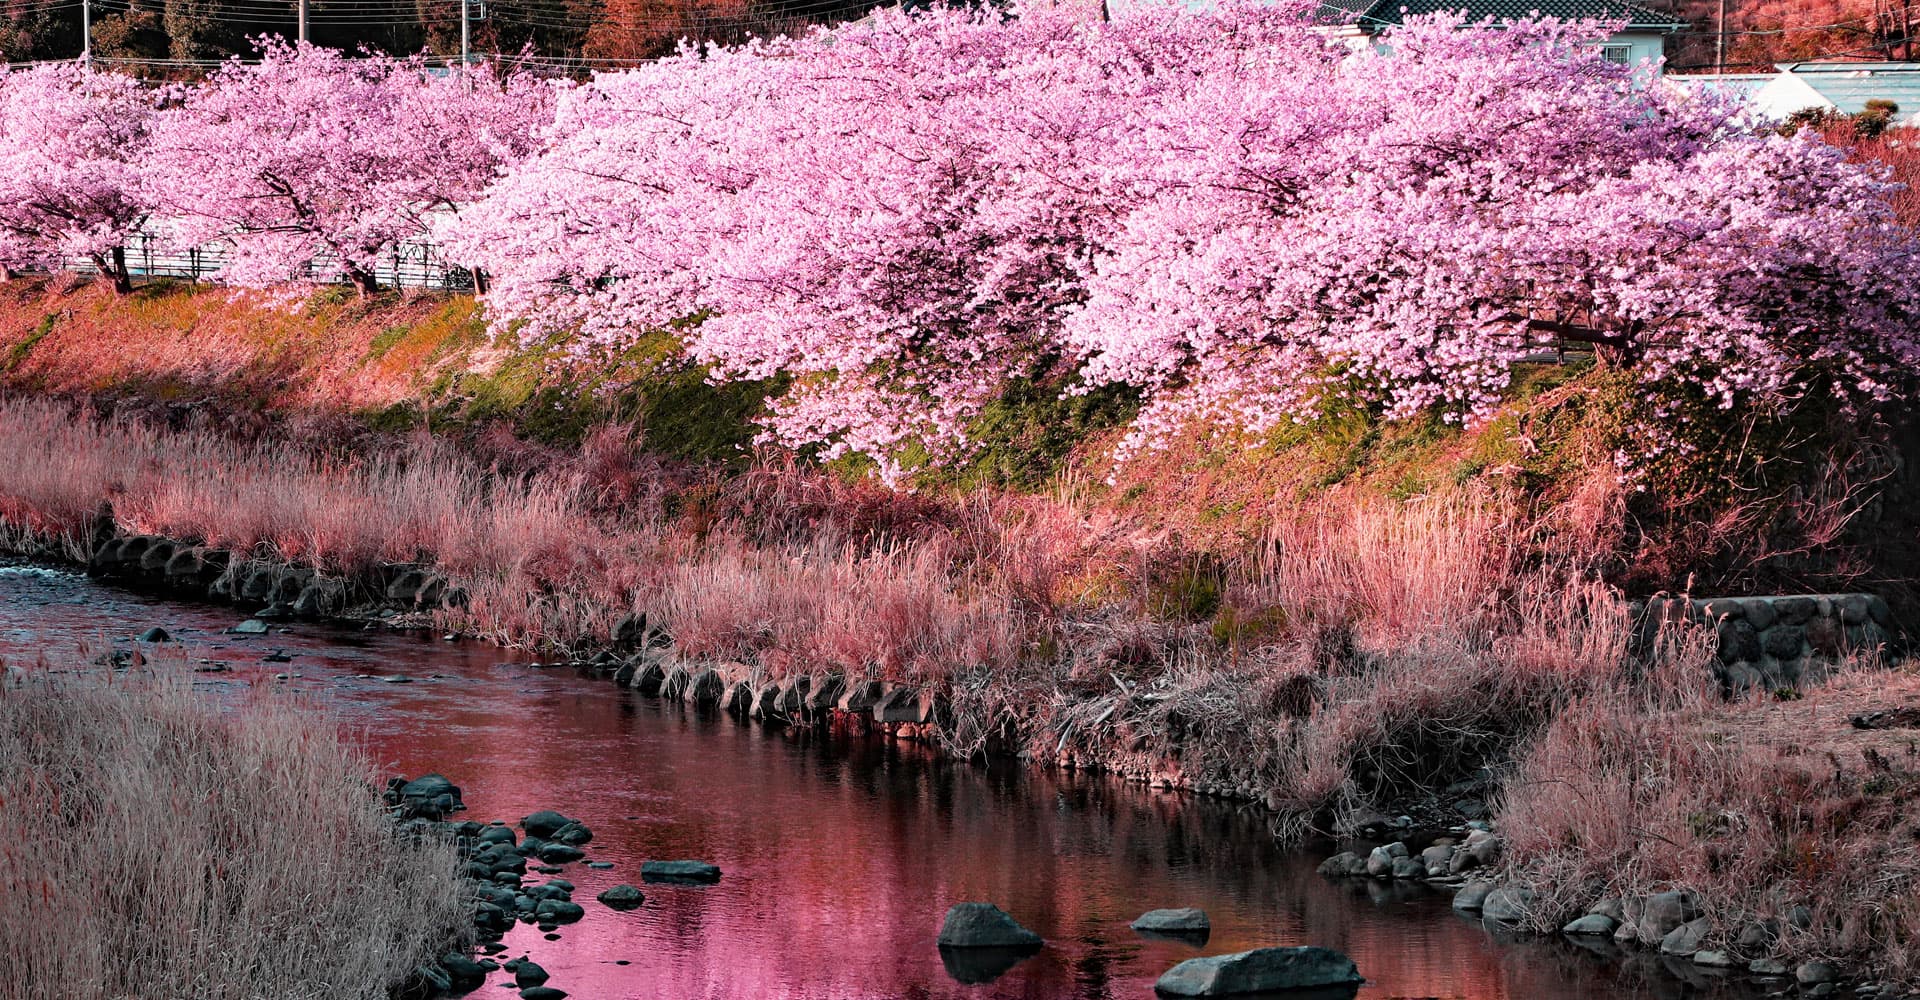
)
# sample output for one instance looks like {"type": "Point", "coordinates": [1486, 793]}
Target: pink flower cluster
{"type": "Point", "coordinates": [1224, 209]}
{"type": "Point", "coordinates": [306, 158]}
{"type": "Point", "coordinates": [69, 183]}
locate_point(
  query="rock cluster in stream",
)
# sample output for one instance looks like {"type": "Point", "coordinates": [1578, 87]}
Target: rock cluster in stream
{"type": "Point", "coordinates": [1670, 925]}
{"type": "Point", "coordinates": [497, 861]}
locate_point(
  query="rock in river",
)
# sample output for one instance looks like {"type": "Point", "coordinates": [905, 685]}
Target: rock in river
{"type": "Point", "coordinates": [1188, 920]}
{"type": "Point", "coordinates": [526, 973]}
{"type": "Point", "coordinates": [558, 911]}
{"type": "Point", "coordinates": [560, 854]}
{"type": "Point", "coordinates": [574, 833]}
{"type": "Point", "coordinates": [622, 897]}
{"type": "Point", "coordinates": [1596, 924]}
{"type": "Point", "coordinates": [544, 823]}
{"type": "Point", "coordinates": [679, 871]}
{"type": "Point", "coordinates": [984, 925]}
{"type": "Point", "coordinates": [464, 975]}
{"type": "Point", "coordinates": [1507, 904]}
{"type": "Point", "coordinates": [1259, 970]}
{"type": "Point", "coordinates": [1472, 896]}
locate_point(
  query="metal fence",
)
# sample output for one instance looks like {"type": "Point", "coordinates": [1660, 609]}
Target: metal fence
{"type": "Point", "coordinates": [405, 265]}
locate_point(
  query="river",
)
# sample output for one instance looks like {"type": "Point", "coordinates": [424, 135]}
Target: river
{"type": "Point", "coordinates": [841, 852]}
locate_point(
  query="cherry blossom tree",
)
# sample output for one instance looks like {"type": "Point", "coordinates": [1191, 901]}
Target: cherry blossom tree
{"type": "Point", "coordinates": [897, 212]}
{"type": "Point", "coordinates": [1406, 253]}
{"type": "Point", "coordinates": [1219, 208]}
{"type": "Point", "coordinates": [71, 142]}
{"type": "Point", "coordinates": [313, 159]}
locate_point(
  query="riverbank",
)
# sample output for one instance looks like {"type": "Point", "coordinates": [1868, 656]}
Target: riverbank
{"type": "Point", "coordinates": [1440, 730]}
{"type": "Point", "coordinates": [1344, 627]}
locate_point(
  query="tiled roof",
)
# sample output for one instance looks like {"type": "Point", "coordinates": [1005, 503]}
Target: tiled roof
{"type": "Point", "coordinates": [1376, 13]}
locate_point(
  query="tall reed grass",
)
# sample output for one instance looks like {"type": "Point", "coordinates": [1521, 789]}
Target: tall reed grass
{"type": "Point", "coordinates": [156, 844]}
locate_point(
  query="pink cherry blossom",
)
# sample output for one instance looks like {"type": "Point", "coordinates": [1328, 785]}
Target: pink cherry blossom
{"type": "Point", "coordinates": [71, 145]}
{"type": "Point", "coordinates": [1223, 209]}
{"type": "Point", "coordinates": [312, 159]}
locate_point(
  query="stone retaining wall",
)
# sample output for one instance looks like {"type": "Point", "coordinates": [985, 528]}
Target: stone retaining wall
{"type": "Point", "coordinates": [280, 589]}
{"type": "Point", "coordinates": [1780, 642]}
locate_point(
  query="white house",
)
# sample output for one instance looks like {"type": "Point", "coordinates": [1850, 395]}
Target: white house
{"type": "Point", "coordinates": [1641, 39]}
{"type": "Point", "coordinates": [1843, 87]}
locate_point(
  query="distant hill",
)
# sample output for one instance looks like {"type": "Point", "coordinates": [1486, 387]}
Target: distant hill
{"type": "Point", "coordinates": [1760, 33]}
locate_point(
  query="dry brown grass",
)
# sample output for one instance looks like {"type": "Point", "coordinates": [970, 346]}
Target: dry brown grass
{"type": "Point", "coordinates": [1756, 807]}
{"type": "Point", "coordinates": [797, 571]}
{"type": "Point", "coordinates": [1360, 654]}
{"type": "Point", "coordinates": [154, 843]}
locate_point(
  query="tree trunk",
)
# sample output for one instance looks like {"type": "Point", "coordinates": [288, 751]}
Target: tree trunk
{"type": "Point", "coordinates": [113, 267]}
{"type": "Point", "coordinates": [363, 281]}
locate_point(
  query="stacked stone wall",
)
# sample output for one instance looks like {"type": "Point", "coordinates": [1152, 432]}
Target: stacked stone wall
{"type": "Point", "coordinates": [1781, 642]}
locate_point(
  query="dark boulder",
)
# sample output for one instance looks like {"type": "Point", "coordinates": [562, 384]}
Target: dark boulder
{"type": "Point", "coordinates": [187, 567]}
{"type": "Point", "coordinates": [526, 973]}
{"type": "Point", "coordinates": [258, 584]}
{"type": "Point", "coordinates": [1187, 923]}
{"type": "Point", "coordinates": [423, 983]}
{"type": "Point", "coordinates": [156, 634]}
{"type": "Point", "coordinates": [984, 925]}
{"type": "Point", "coordinates": [560, 854]}
{"type": "Point", "coordinates": [698, 872]}
{"type": "Point", "coordinates": [1258, 971]}
{"type": "Point", "coordinates": [543, 824]}
{"type": "Point", "coordinates": [491, 917]}
{"type": "Point", "coordinates": [158, 554]}
{"type": "Point", "coordinates": [558, 911]}
{"type": "Point", "coordinates": [464, 975]}
{"type": "Point", "coordinates": [404, 591]}
{"type": "Point", "coordinates": [622, 897]}
{"type": "Point", "coordinates": [430, 796]}
{"type": "Point", "coordinates": [574, 833]}
{"type": "Point", "coordinates": [427, 786]}
{"type": "Point", "coordinates": [320, 599]}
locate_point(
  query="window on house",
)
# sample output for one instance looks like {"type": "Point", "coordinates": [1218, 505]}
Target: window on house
{"type": "Point", "coordinates": [1622, 54]}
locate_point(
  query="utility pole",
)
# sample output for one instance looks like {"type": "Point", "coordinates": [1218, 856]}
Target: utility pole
{"type": "Point", "coordinates": [86, 32]}
{"type": "Point", "coordinates": [303, 22]}
{"type": "Point", "coordinates": [1720, 41]}
{"type": "Point", "coordinates": [465, 16]}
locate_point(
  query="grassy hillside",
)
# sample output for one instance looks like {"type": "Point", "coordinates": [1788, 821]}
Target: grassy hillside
{"type": "Point", "coordinates": [390, 363]}
{"type": "Point", "coordinates": [1814, 500]}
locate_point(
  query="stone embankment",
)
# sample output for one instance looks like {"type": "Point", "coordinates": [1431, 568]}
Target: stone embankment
{"type": "Point", "coordinates": [1777, 643]}
{"type": "Point", "coordinates": [1772, 643]}
{"type": "Point", "coordinates": [280, 589]}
